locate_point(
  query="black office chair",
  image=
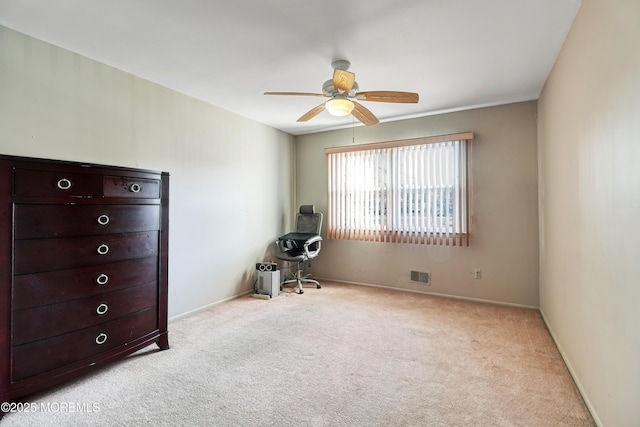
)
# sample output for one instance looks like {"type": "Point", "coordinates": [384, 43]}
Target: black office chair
{"type": "Point", "coordinates": [301, 245]}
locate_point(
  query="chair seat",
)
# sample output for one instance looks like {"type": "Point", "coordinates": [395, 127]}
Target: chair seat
{"type": "Point", "coordinates": [291, 257]}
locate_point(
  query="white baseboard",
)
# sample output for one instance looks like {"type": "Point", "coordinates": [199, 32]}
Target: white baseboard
{"type": "Point", "coordinates": [204, 307]}
{"type": "Point", "coordinates": [572, 372]}
{"type": "Point", "coordinates": [431, 293]}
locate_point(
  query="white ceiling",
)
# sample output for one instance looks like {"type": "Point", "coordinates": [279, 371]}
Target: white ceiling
{"type": "Point", "coordinates": [456, 54]}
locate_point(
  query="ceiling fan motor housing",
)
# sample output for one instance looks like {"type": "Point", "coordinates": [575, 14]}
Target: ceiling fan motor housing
{"type": "Point", "coordinates": [330, 90]}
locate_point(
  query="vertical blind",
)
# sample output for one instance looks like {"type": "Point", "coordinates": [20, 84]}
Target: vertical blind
{"type": "Point", "coordinates": [410, 191]}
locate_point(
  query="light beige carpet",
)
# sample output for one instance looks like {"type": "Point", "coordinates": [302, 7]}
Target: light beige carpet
{"type": "Point", "coordinates": [339, 356]}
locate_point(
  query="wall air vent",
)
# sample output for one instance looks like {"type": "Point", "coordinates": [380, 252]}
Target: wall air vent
{"type": "Point", "coordinates": [422, 277]}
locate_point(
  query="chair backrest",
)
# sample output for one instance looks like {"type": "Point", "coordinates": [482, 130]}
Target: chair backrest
{"type": "Point", "coordinates": [308, 220]}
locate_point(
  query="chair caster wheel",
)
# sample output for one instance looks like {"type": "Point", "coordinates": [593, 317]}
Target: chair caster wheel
{"type": "Point", "coordinates": [301, 292]}
{"type": "Point", "coordinates": [318, 287]}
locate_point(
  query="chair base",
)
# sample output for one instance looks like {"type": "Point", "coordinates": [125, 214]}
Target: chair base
{"type": "Point", "coordinates": [300, 279]}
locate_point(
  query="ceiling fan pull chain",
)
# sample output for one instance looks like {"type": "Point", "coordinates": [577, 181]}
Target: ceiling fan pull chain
{"type": "Point", "coordinates": [353, 129]}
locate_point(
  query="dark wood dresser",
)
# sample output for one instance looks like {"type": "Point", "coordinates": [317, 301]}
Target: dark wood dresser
{"type": "Point", "coordinates": [83, 268]}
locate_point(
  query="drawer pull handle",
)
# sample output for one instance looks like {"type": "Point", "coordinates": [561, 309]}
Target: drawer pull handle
{"type": "Point", "coordinates": [102, 309]}
{"type": "Point", "coordinates": [64, 184]}
{"type": "Point", "coordinates": [135, 188]}
{"type": "Point", "coordinates": [103, 249]}
{"type": "Point", "coordinates": [101, 339]}
{"type": "Point", "coordinates": [103, 219]}
{"type": "Point", "coordinates": [102, 279]}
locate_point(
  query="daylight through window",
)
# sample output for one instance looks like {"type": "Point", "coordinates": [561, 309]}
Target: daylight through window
{"type": "Point", "coordinates": [410, 191]}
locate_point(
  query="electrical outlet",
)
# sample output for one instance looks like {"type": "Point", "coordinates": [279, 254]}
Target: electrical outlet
{"type": "Point", "coordinates": [477, 273]}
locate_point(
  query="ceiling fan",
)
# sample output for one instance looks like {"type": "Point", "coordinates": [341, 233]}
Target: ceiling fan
{"type": "Point", "coordinates": [345, 94]}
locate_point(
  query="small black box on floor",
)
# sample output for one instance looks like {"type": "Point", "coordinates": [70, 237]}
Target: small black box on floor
{"type": "Point", "coordinates": [266, 266]}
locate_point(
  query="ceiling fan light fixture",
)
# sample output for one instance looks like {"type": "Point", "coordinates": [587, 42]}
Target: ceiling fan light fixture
{"type": "Point", "coordinates": [339, 106]}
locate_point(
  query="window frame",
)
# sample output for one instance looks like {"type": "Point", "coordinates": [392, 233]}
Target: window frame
{"type": "Point", "coordinates": [403, 232]}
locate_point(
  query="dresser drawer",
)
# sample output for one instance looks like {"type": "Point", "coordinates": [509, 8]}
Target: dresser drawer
{"type": "Point", "coordinates": [33, 290]}
{"type": "Point", "coordinates": [45, 355]}
{"type": "Point", "coordinates": [40, 255]}
{"type": "Point", "coordinates": [37, 323]}
{"type": "Point", "coordinates": [122, 186]}
{"type": "Point", "coordinates": [46, 183]}
{"type": "Point", "coordinates": [33, 221]}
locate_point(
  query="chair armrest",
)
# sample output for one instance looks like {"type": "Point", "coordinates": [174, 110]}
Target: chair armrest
{"type": "Point", "coordinates": [311, 241]}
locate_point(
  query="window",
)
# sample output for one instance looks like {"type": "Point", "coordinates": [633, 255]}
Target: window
{"type": "Point", "coordinates": [411, 191]}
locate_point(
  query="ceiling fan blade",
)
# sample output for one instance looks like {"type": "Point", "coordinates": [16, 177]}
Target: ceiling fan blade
{"type": "Point", "coordinates": [296, 93]}
{"type": "Point", "coordinates": [388, 96]}
{"type": "Point", "coordinates": [364, 115]}
{"type": "Point", "coordinates": [343, 80]}
{"type": "Point", "coordinates": [311, 113]}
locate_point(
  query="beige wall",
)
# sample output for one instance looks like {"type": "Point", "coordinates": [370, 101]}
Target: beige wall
{"type": "Point", "coordinates": [504, 202]}
{"type": "Point", "coordinates": [590, 206]}
{"type": "Point", "coordinates": [231, 178]}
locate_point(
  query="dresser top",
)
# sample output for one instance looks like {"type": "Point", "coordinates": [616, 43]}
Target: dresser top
{"type": "Point", "coordinates": [68, 163]}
